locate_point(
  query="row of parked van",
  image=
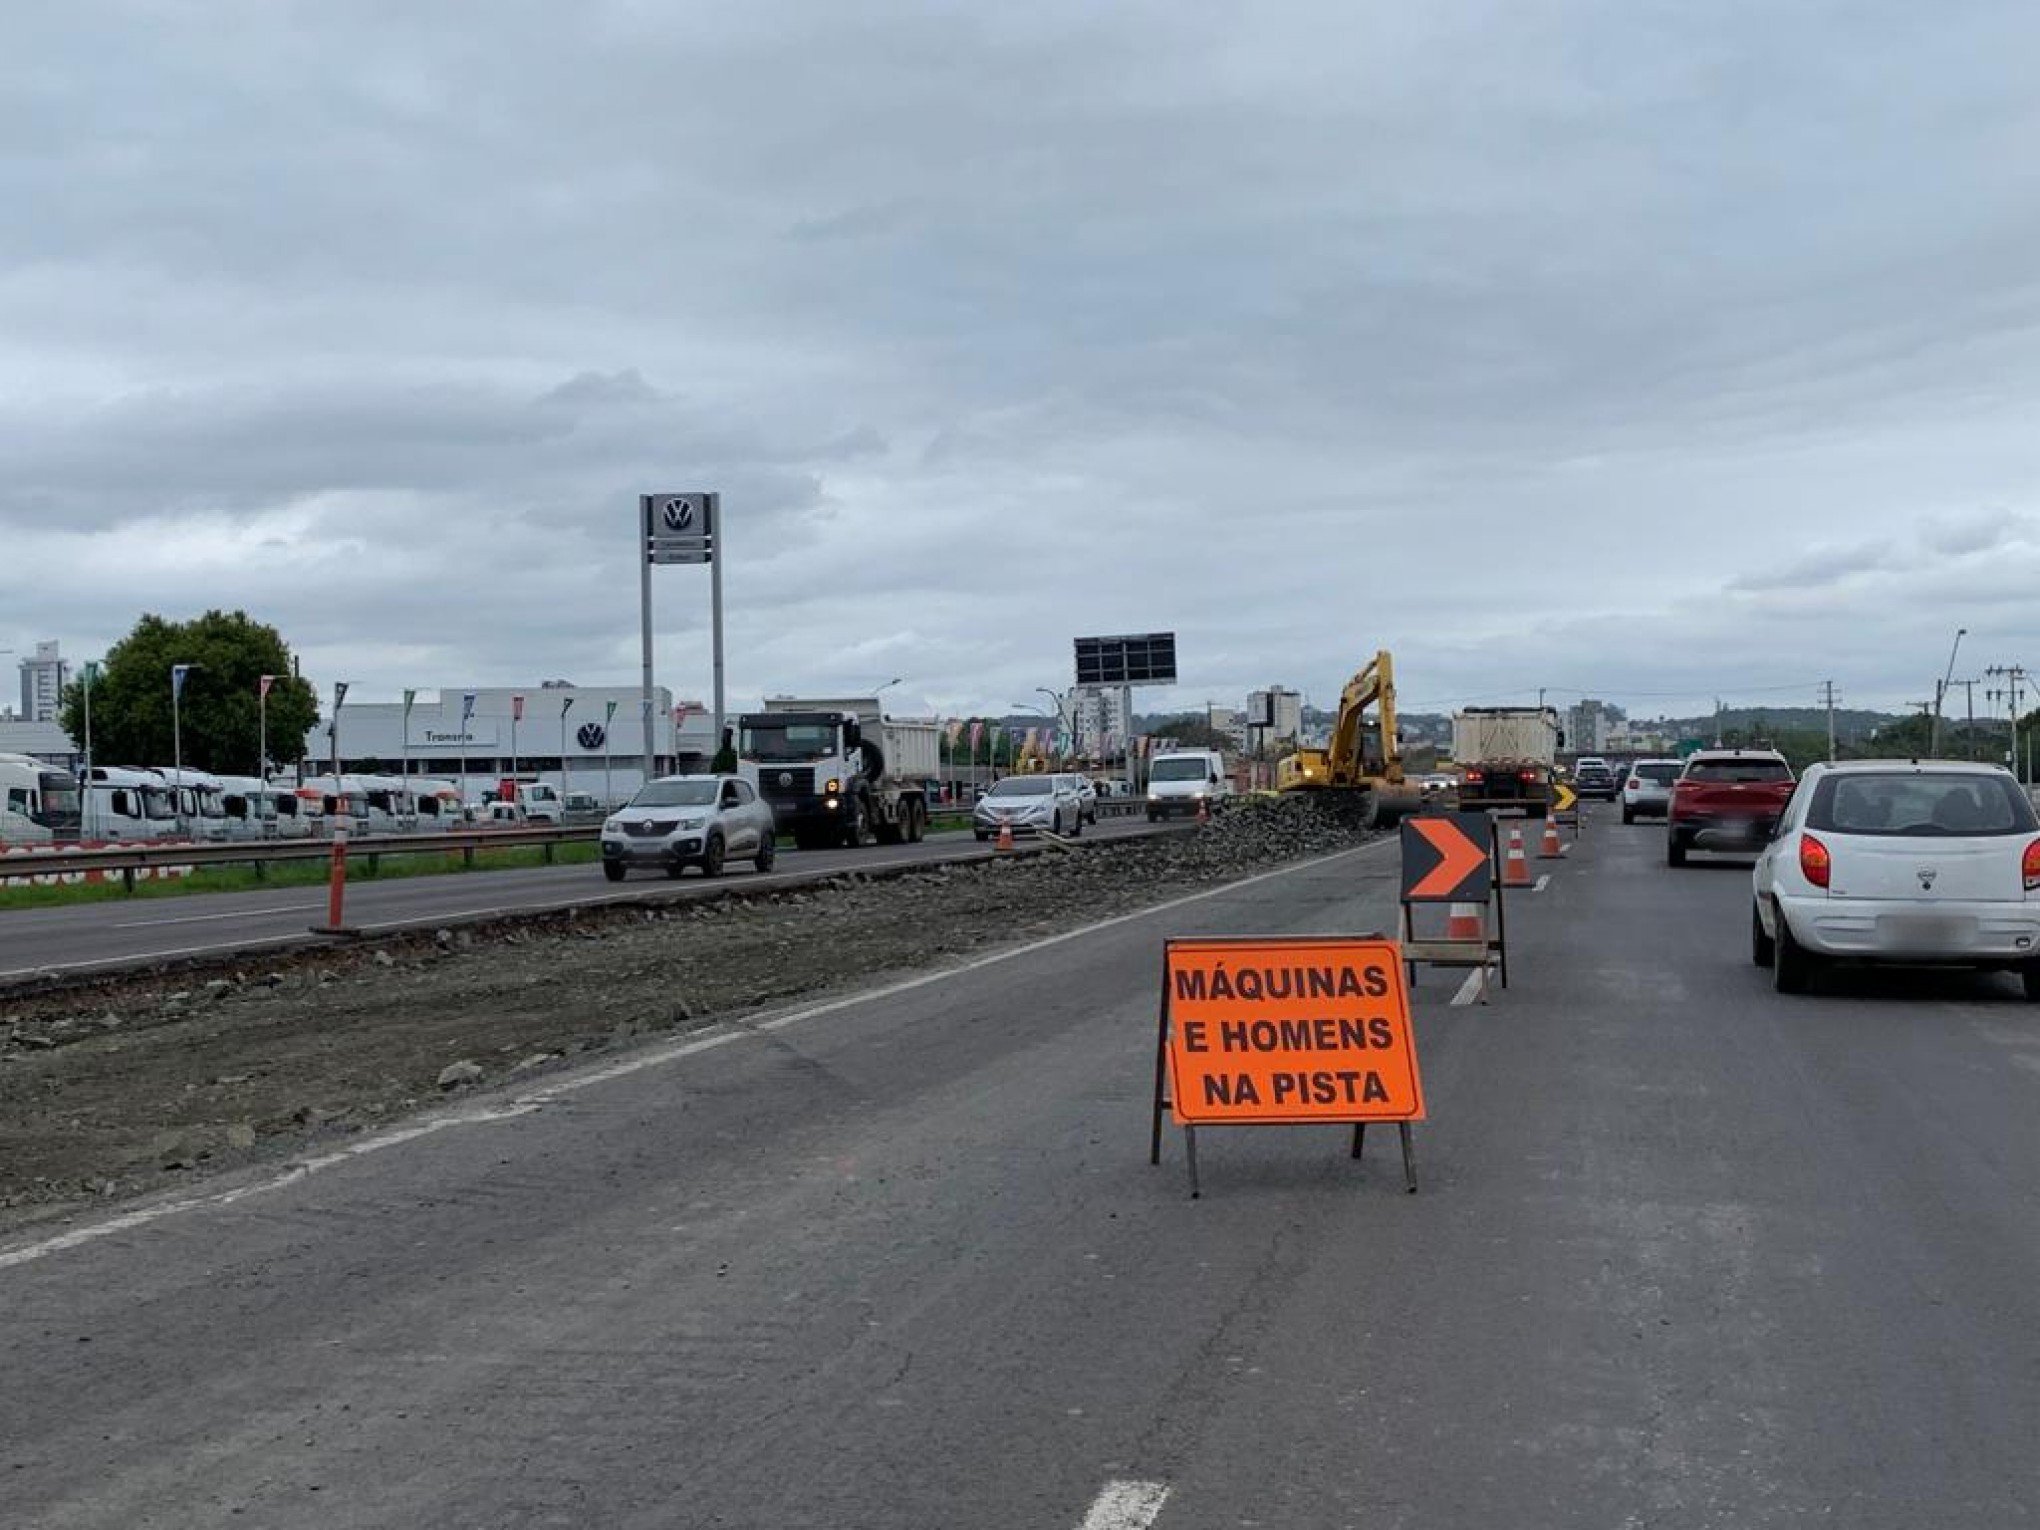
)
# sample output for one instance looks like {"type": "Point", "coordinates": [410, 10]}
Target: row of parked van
{"type": "Point", "coordinates": [40, 804]}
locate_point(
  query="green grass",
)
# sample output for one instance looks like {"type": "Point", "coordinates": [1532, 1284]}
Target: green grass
{"type": "Point", "coordinates": [210, 879]}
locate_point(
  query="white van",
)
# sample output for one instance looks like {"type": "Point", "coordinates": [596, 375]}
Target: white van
{"type": "Point", "coordinates": [1181, 779]}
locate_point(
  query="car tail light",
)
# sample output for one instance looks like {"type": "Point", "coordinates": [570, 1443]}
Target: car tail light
{"type": "Point", "coordinates": [1526, 775]}
{"type": "Point", "coordinates": [1474, 778]}
{"type": "Point", "coordinates": [1815, 864]}
{"type": "Point", "coordinates": [2029, 866]}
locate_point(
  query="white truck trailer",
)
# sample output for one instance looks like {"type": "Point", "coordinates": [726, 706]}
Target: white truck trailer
{"type": "Point", "coordinates": [838, 771]}
{"type": "Point", "coordinates": [1505, 757]}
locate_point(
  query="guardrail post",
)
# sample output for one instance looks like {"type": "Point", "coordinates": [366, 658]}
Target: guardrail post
{"type": "Point", "coordinates": [467, 857]}
{"type": "Point", "coordinates": [127, 881]}
{"type": "Point", "coordinates": [547, 847]}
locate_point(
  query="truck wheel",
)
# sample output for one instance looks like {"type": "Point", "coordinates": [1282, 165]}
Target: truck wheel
{"type": "Point", "coordinates": [712, 856]}
{"type": "Point", "coordinates": [917, 822]}
{"type": "Point", "coordinates": [854, 832]}
{"type": "Point", "coordinates": [613, 870]}
{"type": "Point", "coordinates": [768, 852]}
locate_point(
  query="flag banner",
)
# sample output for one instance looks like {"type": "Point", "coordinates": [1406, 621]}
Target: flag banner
{"type": "Point", "coordinates": [977, 732]}
{"type": "Point", "coordinates": [517, 709]}
{"type": "Point", "coordinates": [409, 698]}
{"type": "Point", "coordinates": [91, 671]}
{"type": "Point", "coordinates": [566, 706]}
{"type": "Point", "coordinates": [608, 710]}
{"type": "Point", "coordinates": [177, 674]}
{"type": "Point", "coordinates": [467, 707]}
{"type": "Point", "coordinates": [339, 693]}
{"type": "Point", "coordinates": [265, 685]}
{"type": "Point", "coordinates": [955, 730]}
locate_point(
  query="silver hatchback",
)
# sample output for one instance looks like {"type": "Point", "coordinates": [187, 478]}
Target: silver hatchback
{"type": "Point", "coordinates": [680, 821]}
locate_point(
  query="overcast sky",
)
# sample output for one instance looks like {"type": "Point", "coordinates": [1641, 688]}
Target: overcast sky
{"type": "Point", "coordinates": [1654, 351]}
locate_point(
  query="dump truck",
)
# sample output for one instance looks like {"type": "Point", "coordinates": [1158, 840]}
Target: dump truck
{"type": "Point", "coordinates": [1506, 757]}
{"type": "Point", "coordinates": [1364, 754]}
{"type": "Point", "coordinates": [838, 771]}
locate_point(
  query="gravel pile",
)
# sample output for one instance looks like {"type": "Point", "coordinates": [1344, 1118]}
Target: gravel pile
{"type": "Point", "coordinates": [115, 1087]}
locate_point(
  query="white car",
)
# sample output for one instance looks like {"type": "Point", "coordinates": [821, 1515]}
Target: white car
{"type": "Point", "coordinates": [1029, 804]}
{"type": "Point", "coordinates": [1930, 862]}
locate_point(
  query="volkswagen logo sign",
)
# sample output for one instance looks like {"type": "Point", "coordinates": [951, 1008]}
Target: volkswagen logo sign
{"type": "Point", "coordinates": [591, 735]}
{"type": "Point", "coordinates": [786, 778]}
{"type": "Point", "coordinates": [678, 514]}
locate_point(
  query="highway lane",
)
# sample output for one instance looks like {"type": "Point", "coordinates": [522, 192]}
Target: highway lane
{"type": "Point", "coordinates": [1687, 1253]}
{"type": "Point", "coordinates": [121, 931]}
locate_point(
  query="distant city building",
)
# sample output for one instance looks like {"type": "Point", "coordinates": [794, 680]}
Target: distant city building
{"type": "Point", "coordinates": [1231, 722]}
{"type": "Point", "coordinates": [1098, 714]}
{"type": "Point", "coordinates": [42, 684]}
{"type": "Point", "coordinates": [1274, 717]}
{"type": "Point", "coordinates": [1589, 725]}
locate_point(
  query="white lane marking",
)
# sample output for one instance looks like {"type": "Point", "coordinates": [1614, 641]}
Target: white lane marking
{"type": "Point", "coordinates": [1474, 984]}
{"type": "Point", "coordinates": [232, 913]}
{"type": "Point", "coordinates": [657, 1057]}
{"type": "Point", "coordinates": [1542, 883]}
{"type": "Point", "coordinates": [1126, 1506]}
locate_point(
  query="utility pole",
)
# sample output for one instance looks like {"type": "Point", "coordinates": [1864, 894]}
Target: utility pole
{"type": "Point", "coordinates": [1941, 691]}
{"type": "Point", "coordinates": [1828, 687]}
{"type": "Point", "coordinates": [2015, 677]}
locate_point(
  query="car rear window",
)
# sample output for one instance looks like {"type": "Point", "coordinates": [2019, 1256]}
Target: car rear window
{"type": "Point", "coordinates": [1662, 774]}
{"type": "Point", "coordinates": [1929, 805]}
{"type": "Point", "coordinates": [1738, 770]}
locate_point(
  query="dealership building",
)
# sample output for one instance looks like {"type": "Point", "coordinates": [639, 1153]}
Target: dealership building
{"type": "Point", "coordinates": [581, 738]}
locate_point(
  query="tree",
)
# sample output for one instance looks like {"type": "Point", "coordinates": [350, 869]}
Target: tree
{"type": "Point", "coordinates": [220, 710]}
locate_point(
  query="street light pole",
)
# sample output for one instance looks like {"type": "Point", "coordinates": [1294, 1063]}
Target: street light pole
{"type": "Point", "coordinates": [1940, 691]}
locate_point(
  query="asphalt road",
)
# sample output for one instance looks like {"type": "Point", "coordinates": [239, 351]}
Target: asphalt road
{"type": "Point", "coordinates": [1686, 1254]}
{"type": "Point", "coordinates": [122, 931]}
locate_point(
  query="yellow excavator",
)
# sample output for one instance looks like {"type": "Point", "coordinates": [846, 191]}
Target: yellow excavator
{"type": "Point", "coordinates": [1364, 755]}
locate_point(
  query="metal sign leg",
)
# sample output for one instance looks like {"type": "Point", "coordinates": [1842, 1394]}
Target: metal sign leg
{"type": "Point", "coordinates": [1190, 1152]}
{"type": "Point", "coordinates": [1359, 1138]}
{"type": "Point", "coordinates": [1409, 1158]}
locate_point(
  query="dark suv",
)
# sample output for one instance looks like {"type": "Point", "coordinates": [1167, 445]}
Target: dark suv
{"type": "Point", "coordinates": [1592, 777]}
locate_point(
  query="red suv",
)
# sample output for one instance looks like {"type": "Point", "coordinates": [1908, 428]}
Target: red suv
{"type": "Point", "coordinates": [1726, 799]}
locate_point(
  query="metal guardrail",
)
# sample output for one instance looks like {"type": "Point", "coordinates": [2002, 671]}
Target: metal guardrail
{"type": "Point", "coordinates": [128, 860]}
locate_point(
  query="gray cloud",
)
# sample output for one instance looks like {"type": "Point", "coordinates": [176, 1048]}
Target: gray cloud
{"type": "Point", "coordinates": [1644, 345]}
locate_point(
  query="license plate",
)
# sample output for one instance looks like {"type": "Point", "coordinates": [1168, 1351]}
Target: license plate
{"type": "Point", "coordinates": [1926, 929]}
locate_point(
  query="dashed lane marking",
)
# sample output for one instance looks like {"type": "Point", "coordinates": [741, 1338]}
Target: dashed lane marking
{"type": "Point", "coordinates": [657, 1057]}
{"type": "Point", "coordinates": [1126, 1506]}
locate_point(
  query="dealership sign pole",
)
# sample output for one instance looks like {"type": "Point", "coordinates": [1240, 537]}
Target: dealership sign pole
{"type": "Point", "coordinates": [680, 528]}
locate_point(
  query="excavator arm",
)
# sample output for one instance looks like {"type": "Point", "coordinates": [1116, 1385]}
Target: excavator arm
{"type": "Point", "coordinates": [1362, 754]}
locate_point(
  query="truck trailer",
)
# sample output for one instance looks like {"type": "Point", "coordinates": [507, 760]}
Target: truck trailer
{"type": "Point", "coordinates": [1506, 757]}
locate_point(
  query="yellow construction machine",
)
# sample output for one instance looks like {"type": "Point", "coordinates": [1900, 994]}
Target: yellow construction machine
{"type": "Point", "coordinates": [1364, 754]}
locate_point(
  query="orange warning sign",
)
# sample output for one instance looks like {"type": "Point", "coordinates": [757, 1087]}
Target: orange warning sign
{"type": "Point", "coordinates": [1314, 1028]}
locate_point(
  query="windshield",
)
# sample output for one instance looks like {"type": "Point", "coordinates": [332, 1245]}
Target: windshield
{"type": "Point", "coordinates": [1661, 774]}
{"type": "Point", "coordinates": [157, 802]}
{"type": "Point", "coordinates": [1180, 770]}
{"type": "Point", "coordinates": [1929, 805]}
{"type": "Point", "coordinates": [59, 800]}
{"type": "Point", "coordinates": [1738, 771]}
{"type": "Point", "coordinates": [676, 794]}
{"type": "Point", "coordinates": [1021, 786]}
{"type": "Point", "coordinates": [769, 740]}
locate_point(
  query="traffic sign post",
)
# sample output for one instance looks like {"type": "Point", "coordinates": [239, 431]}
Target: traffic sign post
{"type": "Point", "coordinates": [1451, 858]}
{"type": "Point", "coordinates": [1285, 1031]}
{"type": "Point", "coordinates": [1565, 807]}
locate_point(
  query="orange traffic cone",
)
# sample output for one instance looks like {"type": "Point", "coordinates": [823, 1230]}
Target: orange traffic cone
{"type": "Point", "coordinates": [1204, 810]}
{"type": "Point", "coordinates": [1464, 922]}
{"type": "Point", "coordinates": [1515, 867]}
{"type": "Point", "coordinates": [1005, 837]}
{"type": "Point", "coordinates": [1551, 849]}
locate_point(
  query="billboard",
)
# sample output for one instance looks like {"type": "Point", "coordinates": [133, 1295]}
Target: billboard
{"type": "Point", "coordinates": [1144, 658]}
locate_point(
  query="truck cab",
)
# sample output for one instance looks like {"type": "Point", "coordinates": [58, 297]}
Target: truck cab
{"type": "Point", "coordinates": [128, 805]}
{"type": "Point", "coordinates": [39, 804]}
{"type": "Point", "coordinates": [1182, 780]}
{"type": "Point", "coordinates": [541, 800]}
